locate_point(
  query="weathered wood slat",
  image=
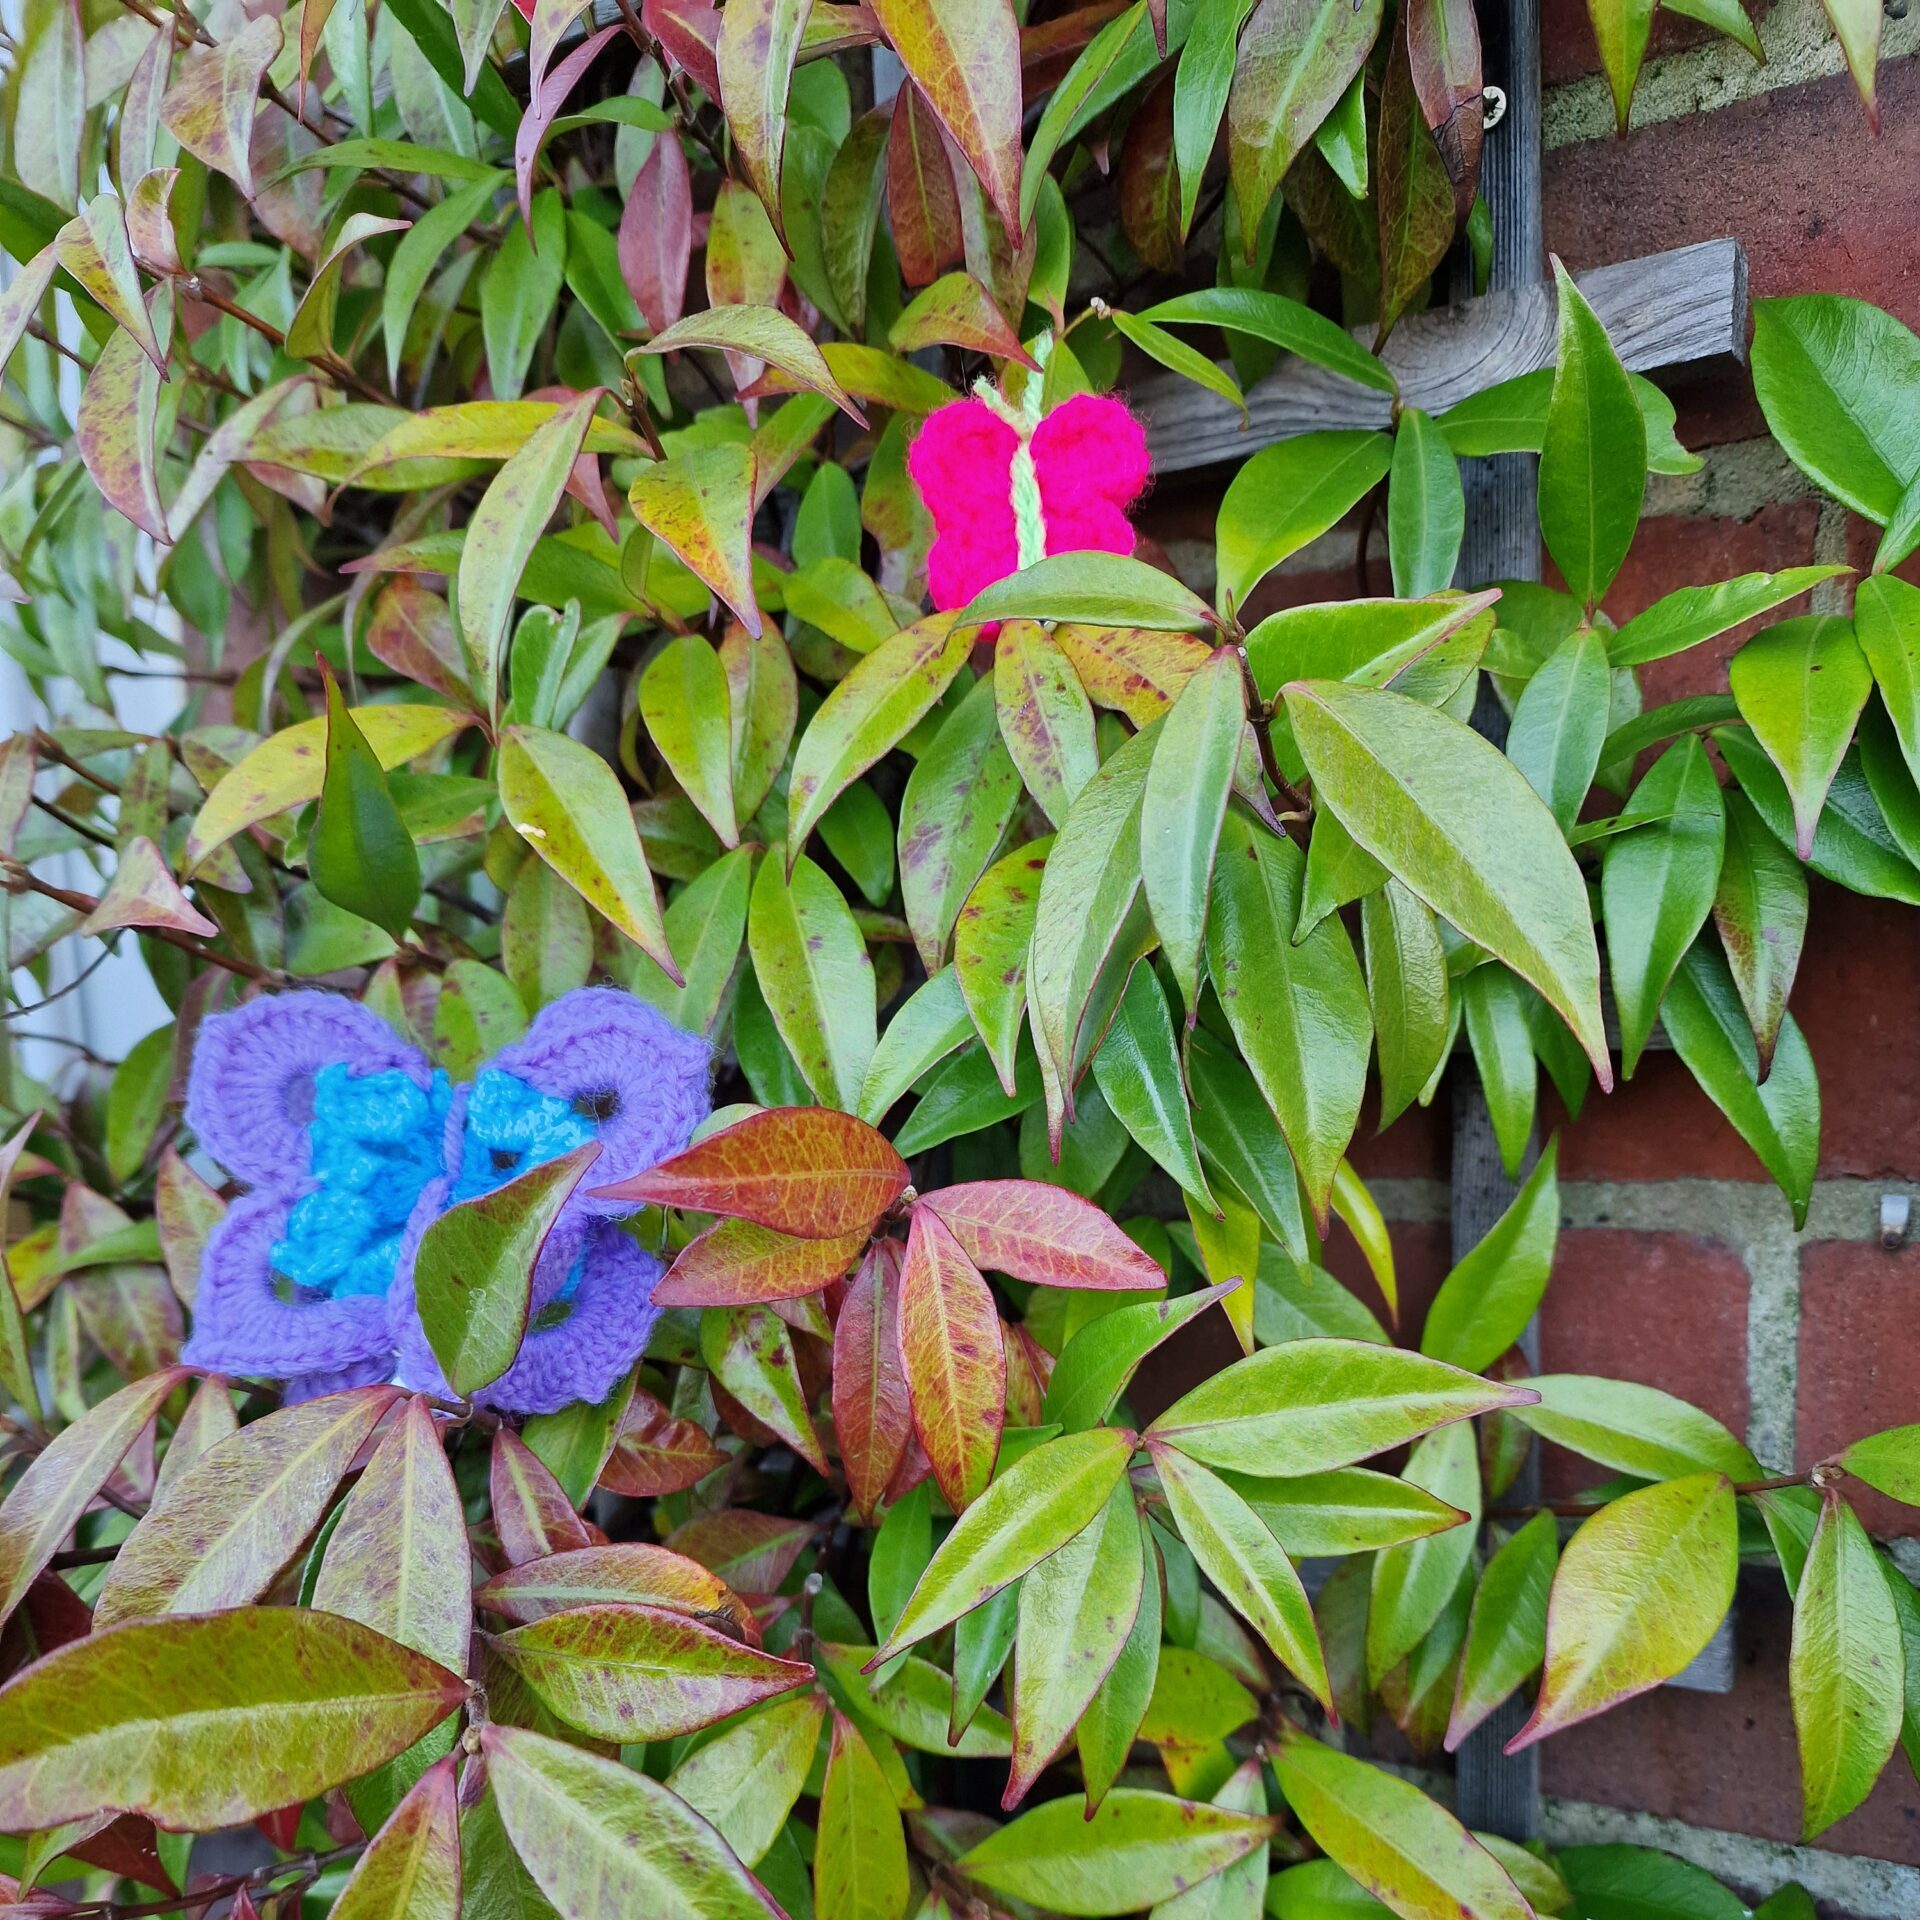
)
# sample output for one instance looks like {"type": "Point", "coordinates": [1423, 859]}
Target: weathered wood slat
{"type": "Point", "coordinates": [1667, 310]}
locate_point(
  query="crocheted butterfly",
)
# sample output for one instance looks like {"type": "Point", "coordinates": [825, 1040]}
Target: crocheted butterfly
{"type": "Point", "coordinates": [1007, 485]}
{"type": "Point", "coordinates": [353, 1143]}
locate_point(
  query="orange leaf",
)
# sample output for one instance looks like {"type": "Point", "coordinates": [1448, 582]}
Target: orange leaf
{"type": "Point", "coordinates": [737, 1263]}
{"type": "Point", "coordinates": [807, 1171]}
{"type": "Point", "coordinates": [531, 1512]}
{"type": "Point", "coordinates": [1041, 1233]}
{"type": "Point", "coordinates": [955, 1365]}
{"type": "Point", "coordinates": [656, 1453]}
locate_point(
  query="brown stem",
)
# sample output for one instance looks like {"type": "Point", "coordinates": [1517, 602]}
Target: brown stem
{"type": "Point", "coordinates": [1262, 720]}
{"type": "Point", "coordinates": [72, 824]}
{"type": "Point", "coordinates": [17, 879]}
{"type": "Point", "coordinates": [306, 1868]}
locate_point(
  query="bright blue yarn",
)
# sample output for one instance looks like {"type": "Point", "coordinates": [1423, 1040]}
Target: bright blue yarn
{"type": "Point", "coordinates": [375, 1141]}
{"type": "Point", "coordinates": [511, 1127]}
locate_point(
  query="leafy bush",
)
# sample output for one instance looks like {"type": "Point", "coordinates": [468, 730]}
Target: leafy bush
{"type": "Point", "coordinates": [869, 1536]}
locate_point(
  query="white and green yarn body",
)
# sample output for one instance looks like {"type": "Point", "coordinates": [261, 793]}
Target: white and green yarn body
{"type": "Point", "coordinates": [1023, 417]}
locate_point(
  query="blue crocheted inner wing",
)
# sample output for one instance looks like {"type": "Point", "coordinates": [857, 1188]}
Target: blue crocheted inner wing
{"type": "Point", "coordinates": [375, 1140]}
{"type": "Point", "coordinates": [512, 1126]}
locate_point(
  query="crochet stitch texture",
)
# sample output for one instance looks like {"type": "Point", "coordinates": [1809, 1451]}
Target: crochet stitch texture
{"type": "Point", "coordinates": [354, 1143]}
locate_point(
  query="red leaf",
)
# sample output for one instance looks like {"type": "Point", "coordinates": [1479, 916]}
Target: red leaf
{"type": "Point", "coordinates": [656, 1453]}
{"type": "Point", "coordinates": [627, 1570]}
{"type": "Point", "coordinates": [752, 1552]}
{"type": "Point", "coordinates": [282, 1826]}
{"type": "Point", "coordinates": [1443, 54]}
{"type": "Point", "coordinates": [872, 1416]}
{"type": "Point", "coordinates": [545, 109]}
{"type": "Point", "coordinates": [737, 1264]}
{"type": "Point", "coordinates": [922, 205]}
{"type": "Point", "coordinates": [1043, 1234]}
{"type": "Point", "coordinates": [531, 1511]}
{"type": "Point", "coordinates": [690, 32]}
{"type": "Point", "coordinates": [955, 1365]}
{"type": "Point", "coordinates": [807, 1171]}
{"type": "Point", "coordinates": [655, 242]}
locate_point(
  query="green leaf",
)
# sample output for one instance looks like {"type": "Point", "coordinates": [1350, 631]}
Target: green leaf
{"type": "Point", "coordinates": [1486, 1301]}
{"type": "Point", "coordinates": [432, 31]}
{"type": "Point", "coordinates": [1406, 966]}
{"type": "Point", "coordinates": [812, 966]}
{"type": "Point", "coordinates": [1033, 1509]}
{"type": "Point", "coordinates": [1240, 1139]}
{"type": "Point", "coordinates": [1393, 1840]}
{"type": "Point", "coordinates": [1288, 494]}
{"type": "Point", "coordinates": [1658, 884]}
{"type": "Point", "coordinates": [1778, 1118]}
{"type": "Point", "coordinates": [1311, 1405]}
{"type": "Point", "coordinates": [1299, 1013]}
{"type": "Point", "coordinates": [1760, 913]}
{"type": "Point", "coordinates": [1138, 1071]}
{"type": "Point", "coordinates": [912, 1702]}
{"type": "Point", "coordinates": [546, 936]}
{"type": "Point", "coordinates": [1637, 1883]}
{"type": "Point", "coordinates": [1823, 366]}
{"type": "Point", "coordinates": [1847, 1671]}
{"type": "Point", "coordinates": [522, 287]}
{"type": "Point", "coordinates": [1801, 686]}
{"type": "Point", "coordinates": [360, 853]}
{"type": "Point", "coordinates": [510, 518]}
{"type": "Point", "coordinates": [1640, 1590]}
{"type": "Point", "coordinates": [1350, 1510]}
{"type": "Point", "coordinates": [700, 502]}
{"type": "Point", "coordinates": [1294, 65]}
{"type": "Point", "coordinates": [473, 1275]}
{"type": "Point", "coordinates": [1108, 1728]}
{"type": "Point", "coordinates": [1089, 912]}
{"type": "Point", "coordinates": [1100, 589]}
{"type": "Point", "coordinates": [1507, 1629]}
{"type": "Point", "coordinates": [1236, 1891]}
{"type": "Point", "coordinates": [1045, 716]}
{"type": "Point", "coordinates": [1620, 29]}
{"type": "Point", "coordinates": [885, 696]}
{"type": "Point", "coordinates": [207, 1722]}
{"type": "Point", "coordinates": [761, 333]}
{"type": "Point", "coordinates": [605, 1839]}
{"type": "Point", "coordinates": [1560, 724]}
{"type": "Point", "coordinates": [1413, 1583]}
{"type": "Point", "coordinates": [705, 926]}
{"type": "Point", "coordinates": [860, 1850]}
{"type": "Point", "coordinates": [1077, 1609]}
{"type": "Point", "coordinates": [1184, 804]}
{"type": "Point", "coordinates": [686, 702]}
{"type": "Point", "coordinates": [1633, 1429]}
{"type": "Point", "coordinates": [1690, 615]}
{"type": "Point", "coordinates": [1457, 824]}
{"type": "Point", "coordinates": [1888, 1461]}
{"type": "Point", "coordinates": [1426, 508]}
{"type": "Point", "coordinates": [1099, 1359]}
{"type": "Point", "coordinates": [566, 802]}
{"type": "Point", "coordinates": [1200, 86]}
{"type": "Point", "coordinates": [1136, 1850]}
{"type": "Point", "coordinates": [960, 800]}
{"type": "Point", "coordinates": [1253, 311]}
{"type": "Point", "coordinates": [1117, 56]}
{"type": "Point", "coordinates": [1593, 462]}
{"type": "Point", "coordinates": [932, 1024]}
{"type": "Point", "coordinates": [1238, 1553]}
{"type": "Point", "coordinates": [1338, 874]}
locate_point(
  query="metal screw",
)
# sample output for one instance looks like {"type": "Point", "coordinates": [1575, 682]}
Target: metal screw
{"type": "Point", "coordinates": [1895, 1211]}
{"type": "Point", "coordinates": [1493, 107]}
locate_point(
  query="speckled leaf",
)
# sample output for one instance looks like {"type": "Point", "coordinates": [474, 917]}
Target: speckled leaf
{"type": "Point", "coordinates": [700, 503]}
{"type": "Point", "coordinates": [144, 894]}
{"type": "Point", "coordinates": [205, 1723]}
{"type": "Point", "coordinates": [114, 430]}
{"type": "Point", "coordinates": [860, 1869]}
{"type": "Point", "coordinates": [209, 108]}
{"type": "Point", "coordinates": [605, 1842]}
{"type": "Point", "coordinates": [1043, 1234]}
{"type": "Point", "coordinates": [872, 1410]}
{"type": "Point", "coordinates": [238, 1514]}
{"type": "Point", "coordinates": [95, 249]}
{"type": "Point", "coordinates": [749, 1352]}
{"type": "Point", "coordinates": [411, 1868]}
{"type": "Point", "coordinates": [754, 57]}
{"type": "Point", "coordinates": [629, 1571]}
{"type": "Point", "coordinates": [812, 966]}
{"type": "Point", "coordinates": [951, 1354]}
{"type": "Point", "coordinates": [990, 942]}
{"type": "Point", "coordinates": [62, 1480]}
{"type": "Point", "coordinates": [746, 1780]}
{"type": "Point", "coordinates": [634, 1673]}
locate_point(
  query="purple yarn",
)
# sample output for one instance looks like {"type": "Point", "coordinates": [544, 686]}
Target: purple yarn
{"type": "Point", "coordinates": [608, 1056]}
{"type": "Point", "coordinates": [250, 1094]}
{"type": "Point", "coordinates": [607, 1281]}
{"type": "Point", "coordinates": [651, 1082]}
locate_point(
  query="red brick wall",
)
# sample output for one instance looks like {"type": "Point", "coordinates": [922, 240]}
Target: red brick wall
{"type": "Point", "coordinates": [1678, 1262]}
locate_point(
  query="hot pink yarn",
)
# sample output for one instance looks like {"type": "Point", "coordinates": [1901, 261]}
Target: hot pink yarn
{"type": "Point", "coordinates": [1089, 455]}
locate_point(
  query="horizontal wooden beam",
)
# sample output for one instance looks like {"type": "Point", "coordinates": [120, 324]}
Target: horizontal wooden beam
{"type": "Point", "coordinates": [1664, 311]}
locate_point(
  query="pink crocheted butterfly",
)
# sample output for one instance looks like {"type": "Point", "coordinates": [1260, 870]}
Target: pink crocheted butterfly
{"type": "Point", "coordinates": [1007, 485]}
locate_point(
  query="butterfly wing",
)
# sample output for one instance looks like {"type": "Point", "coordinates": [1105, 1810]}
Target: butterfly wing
{"type": "Point", "coordinates": [338, 1125]}
{"type": "Point", "coordinates": [962, 461]}
{"type": "Point", "coordinates": [1090, 456]}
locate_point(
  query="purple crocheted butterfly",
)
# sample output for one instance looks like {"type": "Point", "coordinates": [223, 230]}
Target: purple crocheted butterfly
{"type": "Point", "coordinates": [352, 1143]}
